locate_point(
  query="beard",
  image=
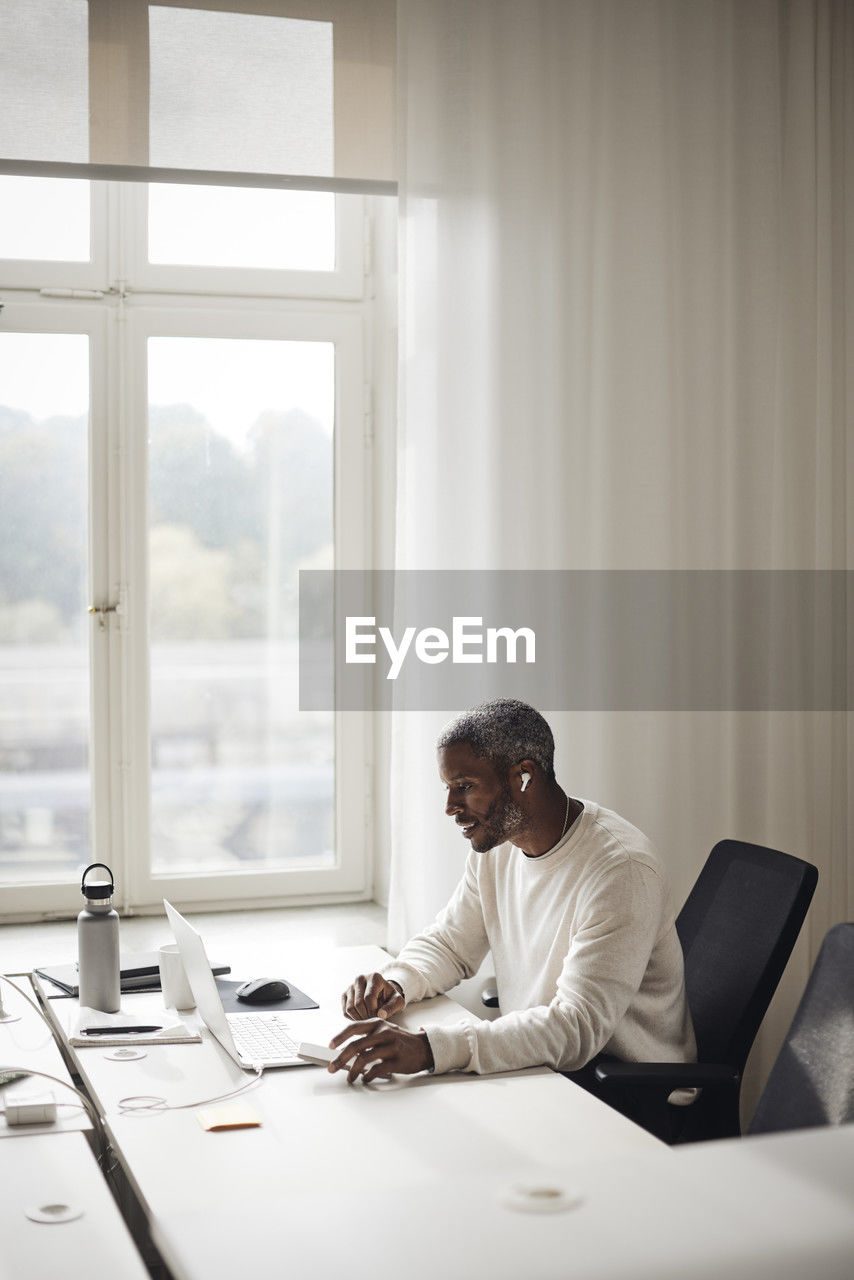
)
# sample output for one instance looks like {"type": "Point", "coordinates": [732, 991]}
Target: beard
{"type": "Point", "coordinates": [503, 820]}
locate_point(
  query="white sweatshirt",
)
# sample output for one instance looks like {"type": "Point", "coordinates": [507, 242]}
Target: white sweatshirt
{"type": "Point", "coordinates": [587, 958]}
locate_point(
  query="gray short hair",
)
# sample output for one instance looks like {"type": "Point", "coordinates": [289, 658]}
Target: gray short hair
{"type": "Point", "coordinates": [505, 730]}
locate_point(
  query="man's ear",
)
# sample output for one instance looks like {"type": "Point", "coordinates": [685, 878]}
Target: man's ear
{"type": "Point", "coordinates": [526, 773]}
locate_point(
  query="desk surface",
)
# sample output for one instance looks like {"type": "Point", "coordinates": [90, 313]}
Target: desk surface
{"type": "Point", "coordinates": [29, 1044]}
{"type": "Point", "coordinates": [50, 1169]}
{"type": "Point", "coordinates": [421, 1170]}
{"type": "Point", "coordinates": [52, 1164]}
{"type": "Point", "coordinates": [780, 1208]}
{"type": "Point", "coordinates": [314, 1124]}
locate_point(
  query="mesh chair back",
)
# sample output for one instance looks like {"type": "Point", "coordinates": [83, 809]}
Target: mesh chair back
{"type": "Point", "coordinates": [812, 1081]}
{"type": "Point", "coordinates": [737, 929]}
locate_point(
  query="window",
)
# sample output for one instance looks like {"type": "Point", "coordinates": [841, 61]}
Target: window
{"type": "Point", "coordinates": [182, 428]}
{"type": "Point", "coordinates": [201, 227]}
{"type": "Point", "coordinates": [44, 667]}
{"type": "Point", "coordinates": [45, 218]}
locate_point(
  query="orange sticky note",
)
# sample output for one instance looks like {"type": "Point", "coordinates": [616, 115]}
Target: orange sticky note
{"type": "Point", "coordinates": [237, 1115]}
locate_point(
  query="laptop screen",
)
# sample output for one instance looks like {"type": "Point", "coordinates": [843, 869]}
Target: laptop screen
{"type": "Point", "coordinates": [200, 977]}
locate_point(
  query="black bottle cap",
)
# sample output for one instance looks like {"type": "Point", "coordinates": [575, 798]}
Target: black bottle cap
{"type": "Point", "coordinates": [97, 889]}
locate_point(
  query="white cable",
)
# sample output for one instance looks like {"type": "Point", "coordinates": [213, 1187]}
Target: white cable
{"type": "Point", "coordinates": [75, 1106]}
{"type": "Point", "coordinates": [149, 1102]}
{"type": "Point", "coordinates": [39, 1011]}
{"type": "Point", "coordinates": [135, 1102]}
{"type": "Point", "coordinates": [90, 1110]}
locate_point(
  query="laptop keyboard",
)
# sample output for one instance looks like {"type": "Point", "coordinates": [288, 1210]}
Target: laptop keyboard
{"type": "Point", "coordinates": [262, 1036]}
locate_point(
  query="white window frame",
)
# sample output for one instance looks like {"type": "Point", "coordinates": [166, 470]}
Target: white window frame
{"type": "Point", "coordinates": [119, 324]}
{"type": "Point", "coordinates": [41, 897]}
{"type": "Point", "coordinates": [352, 546]}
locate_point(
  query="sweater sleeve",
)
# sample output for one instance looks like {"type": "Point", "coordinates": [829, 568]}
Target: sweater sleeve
{"type": "Point", "coordinates": [449, 950]}
{"type": "Point", "coordinates": [607, 958]}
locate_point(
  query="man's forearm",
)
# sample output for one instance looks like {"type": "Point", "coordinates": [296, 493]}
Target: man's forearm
{"type": "Point", "coordinates": [429, 965]}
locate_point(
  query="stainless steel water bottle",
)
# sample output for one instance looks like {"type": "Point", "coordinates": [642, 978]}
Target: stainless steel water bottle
{"type": "Point", "coordinates": [98, 944]}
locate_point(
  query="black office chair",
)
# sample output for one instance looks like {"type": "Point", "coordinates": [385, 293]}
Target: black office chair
{"type": "Point", "coordinates": [738, 927]}
{"type": "Point", "coordinates": [812, 1080]}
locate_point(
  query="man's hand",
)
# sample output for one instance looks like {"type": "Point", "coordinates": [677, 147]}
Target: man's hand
{"type": "Point", "coordinates": [372, 996]}
{"type": "Point", "coordinates": [373, 1049]}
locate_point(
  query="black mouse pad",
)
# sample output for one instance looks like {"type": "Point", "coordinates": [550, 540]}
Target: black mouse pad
{"type": "Point", "coordinates": [296, 1000]}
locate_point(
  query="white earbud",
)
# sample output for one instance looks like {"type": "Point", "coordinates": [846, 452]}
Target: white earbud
{"type": "Point", "coordinates": [526, 778]}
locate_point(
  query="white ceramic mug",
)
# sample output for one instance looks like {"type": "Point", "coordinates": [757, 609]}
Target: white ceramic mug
{"type": "Point", "coordinates": [173, 979]}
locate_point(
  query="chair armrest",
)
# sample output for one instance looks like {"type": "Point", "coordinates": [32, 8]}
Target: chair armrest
{"type": "Point", "coordinates": [672, 1075]}
{"type": "Point", "coordinates": [489, 997]}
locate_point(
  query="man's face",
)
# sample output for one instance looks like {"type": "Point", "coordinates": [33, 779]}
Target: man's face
{"type": "Point", "coordinates": [479, 798]}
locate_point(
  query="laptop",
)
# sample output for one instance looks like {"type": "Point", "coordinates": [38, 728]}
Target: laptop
{"type": "Point", "coordinates": [252, 1039]}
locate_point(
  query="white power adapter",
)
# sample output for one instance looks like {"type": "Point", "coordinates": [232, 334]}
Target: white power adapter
{"type": "Point", "coordinates": [31, 1108]}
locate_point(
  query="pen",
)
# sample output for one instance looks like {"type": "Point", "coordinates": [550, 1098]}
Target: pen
{"type": "Point", "coordinates": [115, 1031]}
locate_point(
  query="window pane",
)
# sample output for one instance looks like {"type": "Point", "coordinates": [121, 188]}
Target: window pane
{"type": "Point", "coordinates": [205, 115]}
{"type": "Point", "coordinates": [44, 219]}
{"type": "Point", "coordinates": [241, 227]}
{"type": "Point", "coordinates": [44, 80]}
{"type": "Point", "coordinates": [241, 490]}
{"type": "Point", "coordinates": [44, 673]}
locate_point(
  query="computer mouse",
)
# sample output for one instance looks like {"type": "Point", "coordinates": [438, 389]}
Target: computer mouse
{"type": "Point", "coordinates": [263, 991]}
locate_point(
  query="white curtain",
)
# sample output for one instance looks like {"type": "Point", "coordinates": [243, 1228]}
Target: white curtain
{"type": "Point", "coordinates": [625, 285]}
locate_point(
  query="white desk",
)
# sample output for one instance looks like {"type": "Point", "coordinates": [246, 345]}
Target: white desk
{"type": "Point", "coordinates": [51, 1165]}
{"type": "Point", "coordinates": [321, 1139]}
{"type": "Point", "coordinates": [413, 1176]}
{"type": "Point", "coordinates": [314, 1124]}
{"type": "Point", "coordinates": [778, 1208]}
{"type": "Point", "coordinates": [45, 1169]}
{"type": "Point", "coordinates": [29, 1044]}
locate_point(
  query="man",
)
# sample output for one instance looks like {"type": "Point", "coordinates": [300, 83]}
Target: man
{"type": "Point", "coordinates": [571, 900]}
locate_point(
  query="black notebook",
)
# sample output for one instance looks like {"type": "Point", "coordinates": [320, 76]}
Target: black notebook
{"type": "Point", "coordinates": [139, 971]}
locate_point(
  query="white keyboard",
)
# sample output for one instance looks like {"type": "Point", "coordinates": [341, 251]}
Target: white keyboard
{"type": "Point", "coordinates": [262, 1037]}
